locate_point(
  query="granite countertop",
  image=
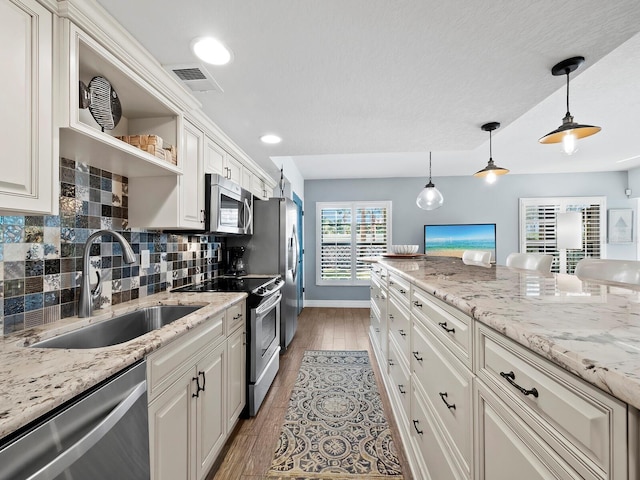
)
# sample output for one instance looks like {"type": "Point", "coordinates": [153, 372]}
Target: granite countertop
{"type": "Point", "coordinates": [589, 329]}
{"type": "Point", "coordinates": [34, 381]}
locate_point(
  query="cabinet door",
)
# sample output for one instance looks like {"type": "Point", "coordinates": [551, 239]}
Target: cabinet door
{"type": "Point", "coordinates": [191, 182]}
{"type": "Point", "coordinates": [507, 448]}
{"type": "Point", "coordinates": [236, 381]}
{"type": "Point", "coordinates": [213, 157]}
{"type": "Point", "coordinates": [247, 179]}
{"type": "Point", "coordinates": [169, 432]}
{"type": "Point", "coordinates": [210, 427]}
{"type": "Point", "coordinates": [234, 169]}
{"type": "Point", "coordinates": [28, 162]}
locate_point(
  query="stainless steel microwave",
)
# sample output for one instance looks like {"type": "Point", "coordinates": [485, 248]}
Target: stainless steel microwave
{"type": "Point", "coordinates": [229, 207]}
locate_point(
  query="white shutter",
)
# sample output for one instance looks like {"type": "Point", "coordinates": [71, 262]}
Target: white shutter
{"type": "Point", "coordinates": [538, 228]}
{"type": "Point", "coordinates": [372, 236]}
{"type": "Point", "coordinates": [335, 240]}
{"type": "Point", "coordinates": [347, 232]}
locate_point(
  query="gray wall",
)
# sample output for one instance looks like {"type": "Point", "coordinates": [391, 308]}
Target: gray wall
{"type": "Point", "coordinates": [466, 200]}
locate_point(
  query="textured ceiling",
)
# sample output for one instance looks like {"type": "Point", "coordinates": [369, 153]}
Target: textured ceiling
{"type": "Point", "coordinates": [363, 88]}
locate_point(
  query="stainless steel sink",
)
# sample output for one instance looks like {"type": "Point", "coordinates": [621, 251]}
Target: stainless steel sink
{"type": "Point", "coordinates": [119, 329]}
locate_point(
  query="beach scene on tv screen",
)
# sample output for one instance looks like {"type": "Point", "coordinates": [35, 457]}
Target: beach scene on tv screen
{"type": "Point", "coordinates": [452, 240]}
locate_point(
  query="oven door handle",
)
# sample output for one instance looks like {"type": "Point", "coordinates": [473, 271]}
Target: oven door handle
{"type": "Point", "coordinates": [269, 304]}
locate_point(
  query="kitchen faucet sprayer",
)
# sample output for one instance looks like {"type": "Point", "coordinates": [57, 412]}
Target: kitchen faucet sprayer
{"type": "Point", "coordinates": [87, 295]}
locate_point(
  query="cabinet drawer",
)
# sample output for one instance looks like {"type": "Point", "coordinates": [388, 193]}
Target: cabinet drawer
{"type": "Point", "coordinates": [446, 384]}
{"type": "Point", "coordinates": [399, 327]}
{"type": "Point", "coordinates": [165, 365]}
{"type": "Point", "coordinates": [570, 415]}
{"type": "Point", "coordinates": [450, 325]}
{"type": "Point", "coordinates": [234, 317]}
{"type": "Point", "coordinates": [506, 448]}
{"type": "Point", "coordinates": [400, 380]}
{"type": "Point", "coordinates": [378, 295]}
{"type": "Point", "coordinates": [432, 452]}
{"type": "Point", "coordinates": [400, 288]}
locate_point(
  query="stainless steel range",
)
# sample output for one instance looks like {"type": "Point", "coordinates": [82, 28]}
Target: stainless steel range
{"type": "Point", "coordinates": [263, 329]}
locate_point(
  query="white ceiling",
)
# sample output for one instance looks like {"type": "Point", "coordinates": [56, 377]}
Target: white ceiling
{"type": "Point", "coordinates": [365, 88]}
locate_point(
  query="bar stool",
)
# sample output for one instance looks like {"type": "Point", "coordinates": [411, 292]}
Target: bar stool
{"type": "Point", "coordinates": [479, 258]}
{"type": "Point", "coordinates": [615, 272]}
{"type": "Point", "coordinates": [530, 261]}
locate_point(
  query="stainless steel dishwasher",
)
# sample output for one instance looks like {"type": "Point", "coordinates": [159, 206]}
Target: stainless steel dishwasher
{"type": "Point", "coordinates": [104, 435]}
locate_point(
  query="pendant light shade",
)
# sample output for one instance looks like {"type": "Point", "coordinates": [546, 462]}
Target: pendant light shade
{"type": "Point", "coordinates": [569, 132]}
{"type": "Point", "coordinates": [491, 171]}
{"type": "Point", "coordinates": [429, 197]}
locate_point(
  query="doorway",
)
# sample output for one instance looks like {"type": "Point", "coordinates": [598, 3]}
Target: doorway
{"type": "Point", "coordinates": [299, 280]}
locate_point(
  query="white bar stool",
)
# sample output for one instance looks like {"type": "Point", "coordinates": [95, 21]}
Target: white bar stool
{"type": "Point", "coordinates": [479, 258]}
{"type": "Point", "coordinates": [614, 272]}
{"type": "Point", "coordinates": [530, 261]}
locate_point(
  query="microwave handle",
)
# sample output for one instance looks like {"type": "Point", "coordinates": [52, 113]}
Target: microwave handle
{"type": "Point", "coordinates": [249, 215]}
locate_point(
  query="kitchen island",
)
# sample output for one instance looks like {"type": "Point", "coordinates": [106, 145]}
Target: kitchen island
{"type": "Point", "coordinates": [34, 381]}
{"type": "Point", "coordinates": [497, 371]}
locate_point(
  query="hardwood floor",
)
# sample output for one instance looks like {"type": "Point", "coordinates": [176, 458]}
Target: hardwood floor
{"type": "Point", "coordinates": [250, 450]}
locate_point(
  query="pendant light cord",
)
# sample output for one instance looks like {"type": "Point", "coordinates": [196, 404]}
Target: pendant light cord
{"type": "Point", "coordinates": [490, 149]}
{"type": "Point", "coordinates": [429, 167]}
{"type": "Point", "coordinates": [567, 92]}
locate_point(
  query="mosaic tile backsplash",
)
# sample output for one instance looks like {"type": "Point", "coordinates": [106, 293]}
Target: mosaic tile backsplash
{"type": "Point", "coordinates": [41, 256]}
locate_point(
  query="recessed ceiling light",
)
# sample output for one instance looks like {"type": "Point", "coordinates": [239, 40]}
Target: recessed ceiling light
{"type": "Point", "coordinates": [210, 50]}
{"type": "Point", "coordinates": [270, 138]}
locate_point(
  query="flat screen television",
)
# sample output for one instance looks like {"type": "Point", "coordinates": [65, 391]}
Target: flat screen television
{"type": "Point", "coordinates": [451, 240]}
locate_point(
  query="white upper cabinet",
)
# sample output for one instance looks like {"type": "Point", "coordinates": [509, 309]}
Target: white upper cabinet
{"type": "Point", "coordinates": [214, 157]}
{"type": "Point", "coordinates": [29, 161]}
{"type": "Point", "coordinates": [144, 112]}
{"type": "Point", "coordinates": [218, 160]}
{"type": "Point", "coordinates": [172, 202]}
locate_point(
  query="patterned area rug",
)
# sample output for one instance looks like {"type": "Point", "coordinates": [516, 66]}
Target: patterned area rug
{"type": "Point", "coordinates": [335, 426]}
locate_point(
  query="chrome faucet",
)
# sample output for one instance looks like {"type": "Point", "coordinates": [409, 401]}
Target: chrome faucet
{"type": "Point", "coordinates": [87, 295]}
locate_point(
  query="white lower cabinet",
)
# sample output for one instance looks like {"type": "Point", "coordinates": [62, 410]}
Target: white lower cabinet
{"type": "Point", "coordinates": [196, 392]}
{"type": "Point", "coordinates": [432, 458]}
{"type": "Point", "coordinates": [237, 386]}
{"type": "Point", "coordinates": [210, 424]}
{"type": "Point", "coordinates": [170, 439]}
{"type": "Point", "coordinates": [483, 407]}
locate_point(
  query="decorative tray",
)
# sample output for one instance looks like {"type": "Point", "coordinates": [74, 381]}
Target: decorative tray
{"type": "Point", "coordinates": [403, 255]}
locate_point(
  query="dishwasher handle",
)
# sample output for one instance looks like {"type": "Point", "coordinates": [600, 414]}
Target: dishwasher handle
{"type": "Point", "coordinates": [73, 453]}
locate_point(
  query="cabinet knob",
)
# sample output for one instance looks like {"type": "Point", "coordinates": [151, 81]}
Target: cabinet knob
{"type": "Point", "coordinates": [401, 389]}
{"type": "Point", "coordinates": [417, 356]}
{"type": "Point", "coordinates": [402, 333]}
{"type": "Point", "coordinates": [417, 304]}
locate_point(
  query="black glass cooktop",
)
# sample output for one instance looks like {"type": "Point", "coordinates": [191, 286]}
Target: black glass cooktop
{"type": "Point", "coordinates": [227, 284]}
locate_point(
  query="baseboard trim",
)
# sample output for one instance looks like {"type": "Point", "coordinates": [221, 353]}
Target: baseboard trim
{"type": "Point", "coordinates": [337, 303]}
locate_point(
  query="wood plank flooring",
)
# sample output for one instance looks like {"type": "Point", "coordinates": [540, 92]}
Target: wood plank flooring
{"type": "Point", "coordinates": [249, 451]}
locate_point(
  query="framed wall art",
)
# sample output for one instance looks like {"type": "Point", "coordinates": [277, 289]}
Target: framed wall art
{"type": "Point", "coordinates": [620, 225]}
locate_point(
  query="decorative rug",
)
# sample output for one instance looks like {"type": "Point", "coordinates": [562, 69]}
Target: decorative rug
{"type": "Point", "coordinates": [335, 426]}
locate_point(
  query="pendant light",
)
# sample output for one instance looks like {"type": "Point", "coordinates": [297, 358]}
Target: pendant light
{"type": "Point", "coordinates": [491, 171]}
{"type": "Point", "coordinates": [429, 197]}
{"type": "Point", "coordinates": [569, 132]}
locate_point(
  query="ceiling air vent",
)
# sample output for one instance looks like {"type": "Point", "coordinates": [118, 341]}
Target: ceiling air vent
{"type": "Point", "coordinates": [196, 77]}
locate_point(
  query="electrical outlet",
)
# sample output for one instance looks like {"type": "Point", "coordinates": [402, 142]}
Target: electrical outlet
{"type": "Point", "coordinates": [144, 259]}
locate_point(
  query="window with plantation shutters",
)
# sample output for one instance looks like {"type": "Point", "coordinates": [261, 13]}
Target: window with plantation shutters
{"type": "Point", "coordinates": [348, 232]}
{"type": "Point", "coordinates": [538, 228]}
